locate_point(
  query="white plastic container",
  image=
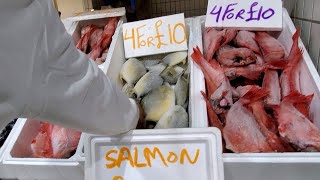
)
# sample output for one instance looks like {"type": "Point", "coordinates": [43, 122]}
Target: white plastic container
{"type": "Point", "coordinates": [17, 166]}
{"type": "Point", "coordinates": [3, 171]}
{"type": "Point", "coordinates": [74, 25]}
{"type": "Point", "coordinates": [117, 59]}
{"type": "Point", "coordinates": [202, 145]}
{"type": "Point", "coordinates": [276, 166]}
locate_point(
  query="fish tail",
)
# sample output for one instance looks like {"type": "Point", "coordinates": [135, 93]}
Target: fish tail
{"type": "Point", "coordinates": [295, 52]}
{"type": "Point", "coordinates": [197, 55]}
{"type": "Point", "coordinates": [296, 97]}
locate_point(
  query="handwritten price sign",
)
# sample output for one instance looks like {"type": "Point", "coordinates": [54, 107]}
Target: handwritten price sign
{"type": "Point", "coordinates": [155, 36]}
{"type": "Point", "coordinates": [245, 14]}
{"type": "Point", "coordinates": [148, 157]}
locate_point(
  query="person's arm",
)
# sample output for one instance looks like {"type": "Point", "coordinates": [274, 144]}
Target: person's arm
{"type": "Point", "coordinates": [68, 89]}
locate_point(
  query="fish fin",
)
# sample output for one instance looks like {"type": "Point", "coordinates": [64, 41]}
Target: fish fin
{"type": "Point", "coordinates": [300, 102]}
{"type": "Point", "coordinates": [213, 119]}
{"type": "Point", "coordinates": [255, 94]}
{"type": "Point", "coordinates": [197, 55]}
{"type": "Point", "coordinates": [296, 97]}
{"type": "Point", "coordinates": [295, 51]}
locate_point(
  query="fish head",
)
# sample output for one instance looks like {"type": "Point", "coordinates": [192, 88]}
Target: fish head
{"type": "Point", "coordinates": [221, 100]}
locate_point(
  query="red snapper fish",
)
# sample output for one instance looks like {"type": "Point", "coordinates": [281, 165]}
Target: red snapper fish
{"type": "Point", "coordinates": [218, 83]}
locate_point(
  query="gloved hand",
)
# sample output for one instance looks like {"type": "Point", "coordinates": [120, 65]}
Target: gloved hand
{"type": "Point", "coordinates": [43, 76]}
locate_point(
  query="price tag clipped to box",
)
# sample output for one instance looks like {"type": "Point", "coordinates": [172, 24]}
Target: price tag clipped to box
{"type": "Point", "coordinates": [245, 14]}
{"type": "Point", "coordinates": [167, 154]}
{"type": "Point", "coordinates": [155, 36]}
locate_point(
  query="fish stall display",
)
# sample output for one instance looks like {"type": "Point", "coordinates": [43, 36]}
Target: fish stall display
{"type": "Point", "coordinates": [95, 40]}
{"type": "Point", "coordinates": [6, 131]}
{"type": "Point", "coordinates": [160, 87]}
{"type": "Point", "coordinates": [253, 92]}
{"type": "Point", "coordinates": [53, 141]}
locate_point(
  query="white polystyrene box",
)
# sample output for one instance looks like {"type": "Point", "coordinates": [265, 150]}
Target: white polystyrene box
{"type": "Point", "coordinates": [4, 173]}
{"type": "Point", "coordinates": [117, 59]}
{"type": "Point", "coordinates": [17, 166]}
{"type": "Point", "coordinates": [75, 27]}
{"type": "Point", "coordinates": [202, 145]}
{"type": "Point", "coordinates": [275, 166]}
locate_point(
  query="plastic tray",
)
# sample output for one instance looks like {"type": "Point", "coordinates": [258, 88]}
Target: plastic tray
{"type": "Point", "coordinates": [274, 166]}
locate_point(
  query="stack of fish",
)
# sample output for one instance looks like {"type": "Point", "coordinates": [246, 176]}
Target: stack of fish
{"type": "Point", "coordinates": [95, 41]}
{"type": "Point", "coordinates": [254, 95]}
{"type": "Point", "coordinates": [161, 88]}
{"type": "Point", "coordinates": [54, 141]}
{"type": "Point", "coordinates": [4, 133]}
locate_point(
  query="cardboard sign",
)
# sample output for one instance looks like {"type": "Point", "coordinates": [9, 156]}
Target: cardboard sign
{"type": "Point", "coordinates": [245, 14]}
{"type": "Point", "coordinates": [155, 36]}
{"type": "Point", "coordinates": [157, 154]}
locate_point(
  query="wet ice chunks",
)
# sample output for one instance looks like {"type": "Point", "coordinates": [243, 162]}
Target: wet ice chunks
{"type": "Point", "coordinates": [172, 73]}
{"type": "Point", "coordinates": [158, 102]}
{"type": "Point", "coordinates": [147, 83]}
{"type": "Point", "coordinates": [176, 117]}
{"type": "Point", "coordinates": [175, 58]}
{"type": "Point", "coordinates": [132, 70]}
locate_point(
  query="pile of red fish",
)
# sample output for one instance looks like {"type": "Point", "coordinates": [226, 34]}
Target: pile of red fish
{"type": "Point", "coordinates": [54, 141]}
{"type": "Point", "coordinates": [254, 94]}
{"type": "Point", "coordinates": [95, 41]}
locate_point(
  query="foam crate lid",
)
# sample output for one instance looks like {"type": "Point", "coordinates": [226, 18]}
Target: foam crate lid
{"type": "Point", "coordinates": [187, 154]}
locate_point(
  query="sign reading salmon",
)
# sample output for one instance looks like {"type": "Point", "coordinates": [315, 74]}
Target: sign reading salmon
{"type": "Point", "coordinates": [245, 14]}
{"type": "Point", "coordinates": [155, 36]}
{"type": "Point", "coordinates": [148, 157]}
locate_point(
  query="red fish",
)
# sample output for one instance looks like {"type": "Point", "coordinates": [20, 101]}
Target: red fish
{"type": "Point", "coordinates": [95, 36]}
{"type": "Point", "coordinates": [105, 39]}
{"type": "Point", "coordinates": [289, 78]}
{"type": "Point", "coordinates": [241, 132]}
{"type": "Point", "coordinates": [270, 47]}
{"type": "Point", "coordinates": [211, 41]}
{"type": "Point", "coordinates": [272, 85]}
{"type": "Point", "coordinates": [64, 141]}
{"type": "Point", "coordinates": [231, 56]}
{"type": "Point", "coordinates": [221, 99]}
{"type": "Point", "coordinates": [103, 57]}
{"type": "Point", "coordinates": [84, 40]}
{"type": "Point", "coordinates": [108, 32]}
{"type": "Point", "coordinates": [41, 145]}
{"type": "Point", "coordinates": [229, 35]}
{"type": "Point", "coordinates": [243, 90]}
{"type": "Point", "coordinates": [252, 72]}
{"type": "Point", "coordinates": [295, 127]}
{"type": "Point", "coordinates": [246, 39]}
{"type": "Point", "coordinates": [54, 141]}
{"type": "Point", "coordinates": [212, 116]}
